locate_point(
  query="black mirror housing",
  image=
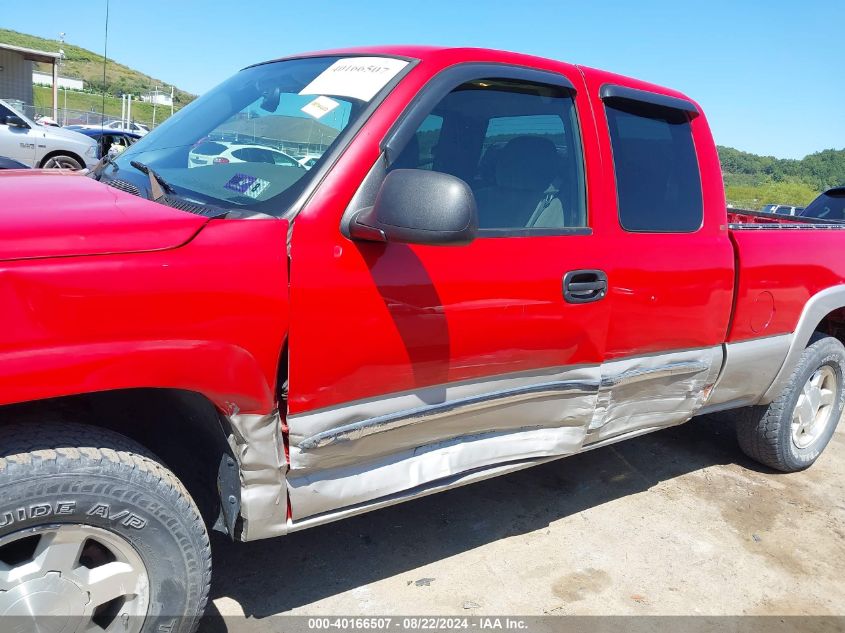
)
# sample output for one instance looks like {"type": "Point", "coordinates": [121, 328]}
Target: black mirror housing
{"type": "Point", "coordinates": [15, 121]}
{"type": "Point", "coordinates": [417, 206]}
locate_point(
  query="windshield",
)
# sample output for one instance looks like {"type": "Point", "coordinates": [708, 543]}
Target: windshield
{"type": "Point", "coordinates": [242, 144]}
{"type": "Point", "coordinates": [828, 206]}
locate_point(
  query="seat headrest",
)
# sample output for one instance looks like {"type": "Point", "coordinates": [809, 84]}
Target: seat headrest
{"type": "Point", "coordinates": [527, 162]}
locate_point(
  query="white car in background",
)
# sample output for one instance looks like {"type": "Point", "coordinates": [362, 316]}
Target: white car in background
{"type": "Point", "coordinates": [309, 161]}
{"type": "Point", "coordinates": [23, 140]}
{"type": "Point", "coordinates": [223, 152]}
{"type": "Point", "coordinates": [782, 209]}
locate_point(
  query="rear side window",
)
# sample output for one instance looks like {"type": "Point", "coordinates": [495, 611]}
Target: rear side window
{"type": "Point", "coordinates": [253, 155]}
{"type": "Point", "coordinates": [657, 179]}
{"type": "Point", "coordinates": [209, 149]}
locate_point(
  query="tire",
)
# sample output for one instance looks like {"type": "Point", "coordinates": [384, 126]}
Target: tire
{"type": "Point", "coordinates": [61, 161]}
{"type": "Point", "coordinates": [773, 435]}
{"type": "Point", "coordinates": [62, 484]}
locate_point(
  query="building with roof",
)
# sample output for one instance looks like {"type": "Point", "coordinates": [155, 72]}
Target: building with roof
{"type": "Point", "coordinates": [16, 73]}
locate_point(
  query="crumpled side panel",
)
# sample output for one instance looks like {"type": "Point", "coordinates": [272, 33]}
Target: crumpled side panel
{"type": "Point", "coordinates": [358, 483]}
{"type": "Point", "coordinates": [653, 392]}
{"type": "Point", "coordinates": [371, 453]}
{"type": "Point", "coordinates": [257, 444]}
{"type": "Point", "coordinates": [367, 450]}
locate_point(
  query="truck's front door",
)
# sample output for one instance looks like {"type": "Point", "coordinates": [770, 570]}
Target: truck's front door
{"type": "Point", "coordinates": [412, 366]}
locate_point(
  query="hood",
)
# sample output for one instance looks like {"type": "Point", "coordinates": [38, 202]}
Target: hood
{"type": "Point", "coordinates": [59, 133]}
{"type": "Point", "coordinates": [55, 214]}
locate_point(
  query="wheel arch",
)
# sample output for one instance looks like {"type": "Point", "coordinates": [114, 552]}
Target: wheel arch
{"type": "Point", "coordinates": [62, 152]}
{"type": "Point", "coordinates": [824, 311]}
{"type": "Point", "coordinates": [183, 428]}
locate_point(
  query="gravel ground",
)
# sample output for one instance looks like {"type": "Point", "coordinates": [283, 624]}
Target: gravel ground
{"type": "Point", "coordinates": [679, 522]}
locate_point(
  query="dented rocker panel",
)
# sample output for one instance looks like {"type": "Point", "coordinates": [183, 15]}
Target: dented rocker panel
{"type": "Point", "coordinates": [365, 455]}
{"type": "Point", "coordinates": [364, 452]}
{"type": "Point", "coordinates": [384, 423]}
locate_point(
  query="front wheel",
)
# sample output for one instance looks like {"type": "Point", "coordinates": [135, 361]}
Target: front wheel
{"type": "Point", "coordinates": [62, 161]}
{"type": "Point", "coordinates": [96, 535]}
{"type": "Point", "coordinates": [791, 432]}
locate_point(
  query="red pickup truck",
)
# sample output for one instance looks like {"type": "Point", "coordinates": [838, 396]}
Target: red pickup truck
{"type": "Point", "coordinates": [350, 278]}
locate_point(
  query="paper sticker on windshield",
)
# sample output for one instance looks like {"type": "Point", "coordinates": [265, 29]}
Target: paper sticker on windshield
{"type": "Point", "coordinates": [319, 107]}
{"type": "Point", "coordinates": [247, 185]}
{"type": "Point", "coordinates": [356, 77]}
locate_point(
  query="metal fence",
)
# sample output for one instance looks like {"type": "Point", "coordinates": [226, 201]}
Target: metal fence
{"type": "Point", "coordinates": [67, 116]}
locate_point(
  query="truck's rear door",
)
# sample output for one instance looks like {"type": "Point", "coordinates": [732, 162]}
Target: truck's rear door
{"type": "Point", "coordinates": [670, 261]}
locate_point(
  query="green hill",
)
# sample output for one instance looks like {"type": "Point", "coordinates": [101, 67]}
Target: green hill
{"type": "Point", "coordinates": [80, 63]}
{"type": "Point", "coordinates": [752, 181]}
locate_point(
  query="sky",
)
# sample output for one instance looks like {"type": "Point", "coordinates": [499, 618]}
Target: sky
{"type": "Point", "coordinates": [768, 73]}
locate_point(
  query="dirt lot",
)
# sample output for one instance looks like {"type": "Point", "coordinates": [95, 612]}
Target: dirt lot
{"type": "Point", "coordinates": [677, 522]}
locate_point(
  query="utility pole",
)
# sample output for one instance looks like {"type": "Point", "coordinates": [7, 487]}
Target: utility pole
{"type": "Point", "coordinates": [171, 100]}
{"type": "Point", "coordinates": [56, 66]}
{"type": "Point", "coordinates": [155, 100]}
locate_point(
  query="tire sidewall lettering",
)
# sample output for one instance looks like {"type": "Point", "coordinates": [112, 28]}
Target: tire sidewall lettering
{"type": "Point", "coordinates": [47, 509]}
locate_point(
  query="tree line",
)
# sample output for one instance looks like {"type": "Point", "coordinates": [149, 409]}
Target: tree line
{"type": "Point", "coordinates": [752, 181]}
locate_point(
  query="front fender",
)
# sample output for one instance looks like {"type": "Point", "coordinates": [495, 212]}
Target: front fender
{"type": "Point", "coordinates": [209, 317]}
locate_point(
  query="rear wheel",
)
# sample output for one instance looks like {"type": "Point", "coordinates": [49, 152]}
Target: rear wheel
{"type": "Point", "coordinates": [61, 161]}
{"type": "Point", "coordinates": [96, 535]}
{"type": "Point", "coordinates": [790, 433]}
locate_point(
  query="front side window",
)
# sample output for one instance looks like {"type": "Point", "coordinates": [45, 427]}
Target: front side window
{"type": "Point", "coordinates": [657, 179]}
{"type": "Point", "coordinates": [243, 144]}
{"type": "Point", "coordinates": [4, 112]}
{"type": "Point", "coordinates": [517, 146]}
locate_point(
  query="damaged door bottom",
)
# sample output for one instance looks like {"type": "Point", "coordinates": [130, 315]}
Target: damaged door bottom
{"type": "Point", "coordinates": [363, 456]}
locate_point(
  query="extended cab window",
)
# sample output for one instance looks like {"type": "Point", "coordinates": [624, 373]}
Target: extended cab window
{"type": "Point", "coordinates": [657, 178]}
{"type": "Point", "coordinates": [516, 144]}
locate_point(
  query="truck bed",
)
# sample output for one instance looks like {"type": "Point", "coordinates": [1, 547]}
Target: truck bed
{"type": "Point", "coordinates": [744, 219]}
{"type": "Point", "coordinates": [782, 261]}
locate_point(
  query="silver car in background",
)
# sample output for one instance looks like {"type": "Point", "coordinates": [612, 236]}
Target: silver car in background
{"type": "Point", "coordinates": [23, 140]}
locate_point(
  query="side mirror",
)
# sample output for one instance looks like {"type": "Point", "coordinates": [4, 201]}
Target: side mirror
{"type": "Point", "coordinates": [15, 121]}
{"type": "Point", "coordinates": [418, 206]}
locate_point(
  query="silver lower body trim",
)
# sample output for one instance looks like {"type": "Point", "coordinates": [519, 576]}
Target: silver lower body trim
{"type": "Point", "coordinates": [369, 454]}
{"type": "Point", "coordinates": [393, 421]}
{"type": "Point", "coordinates": [750, 369]}
{"type": "Point", "coordinates": [358, 453]}
{"type": "Point", "coordinates": [654, 391]}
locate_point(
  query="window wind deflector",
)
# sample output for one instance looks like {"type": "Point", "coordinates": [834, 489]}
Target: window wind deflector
{"type": "Point", "coordinates": [449, 79]}
{"type": "Point", "coordinates": [612, 92]}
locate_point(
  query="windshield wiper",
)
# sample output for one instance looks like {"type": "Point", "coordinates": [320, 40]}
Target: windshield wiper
{"type": "Point", "coordinates": [159, 187]}
{"type": "Point", "coordinates": [97, 171]}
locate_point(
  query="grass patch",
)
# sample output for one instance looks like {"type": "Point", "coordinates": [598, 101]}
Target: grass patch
{"type": "Point", "coordinates": [89, 102]}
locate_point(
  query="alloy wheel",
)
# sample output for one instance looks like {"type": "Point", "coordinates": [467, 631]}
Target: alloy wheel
{"type": "Point", "coordinates": [73, 577]}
